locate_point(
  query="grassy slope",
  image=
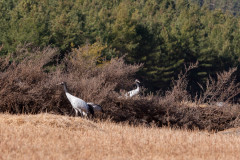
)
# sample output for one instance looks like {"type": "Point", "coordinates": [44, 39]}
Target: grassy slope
{"type": "Point", "coordinates": [46, 136]}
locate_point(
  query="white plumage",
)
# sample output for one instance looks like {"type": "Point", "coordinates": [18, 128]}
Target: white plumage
{"type": "Point", "coordinates": [135, 91]}
{"type": "Point", "coordinates": [79, 105]}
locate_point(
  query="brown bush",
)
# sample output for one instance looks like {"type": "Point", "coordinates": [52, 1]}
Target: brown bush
{"type": "Point", "coordinates": [28, 81]}
{"type": "Point", "coordinates": [28, 84]}
{"type": "Point", "coordinates": [168, 109]}
{"type": "Point", "coordinates": [223, 89]}
{"type": "Point", "coordinates": [24, 86]}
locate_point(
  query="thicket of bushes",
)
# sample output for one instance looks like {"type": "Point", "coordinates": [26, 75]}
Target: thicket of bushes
{"type": "Point", "coordinates": [28, 84]}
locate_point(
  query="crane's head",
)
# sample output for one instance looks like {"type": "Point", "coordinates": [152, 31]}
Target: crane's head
{"type": "Point", "coordinates": [62, 83]}
{"type": "Point", "coordinates": [137, 81]}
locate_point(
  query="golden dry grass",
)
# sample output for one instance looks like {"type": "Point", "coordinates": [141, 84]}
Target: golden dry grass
{"type": "Point", "coordinates": [47, 136]}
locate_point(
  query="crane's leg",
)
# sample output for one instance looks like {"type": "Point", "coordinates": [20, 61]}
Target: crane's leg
{"type": "Point", "coordinates": [76, 112]}
{"type": "Point", "coordinates": [80, 111]}
{"type": "Point", "coordinates": [84, 114]}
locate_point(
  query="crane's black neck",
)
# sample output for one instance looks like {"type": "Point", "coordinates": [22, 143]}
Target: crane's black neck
{"type": "Point", "coordinates": [65, 88]}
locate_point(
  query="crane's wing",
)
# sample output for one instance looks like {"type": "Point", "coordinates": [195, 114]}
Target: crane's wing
{"type": "Point", "coordinates": [131, 93]}
{"type": "Point", "coordinates": [95, 107]}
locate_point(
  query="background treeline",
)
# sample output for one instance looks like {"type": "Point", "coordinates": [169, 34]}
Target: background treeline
{"type": "Point", "coordinates": [162, 34]}
{"type": "Point", "coordinates": [231, 6]}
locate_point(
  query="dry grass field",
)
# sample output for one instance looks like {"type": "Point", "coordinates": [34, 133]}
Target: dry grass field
{"type": "Point", "coordinates": [46, 136]}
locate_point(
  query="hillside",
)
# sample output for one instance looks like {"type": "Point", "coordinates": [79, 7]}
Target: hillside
{"type": "Point", "coordinates": [46, 136]}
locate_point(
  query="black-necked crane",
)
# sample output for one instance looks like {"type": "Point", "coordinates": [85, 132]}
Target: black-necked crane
{"type": "Point", "coordinates": [79, 105]}
{"type": "Point", "coordinates": [135, 91]}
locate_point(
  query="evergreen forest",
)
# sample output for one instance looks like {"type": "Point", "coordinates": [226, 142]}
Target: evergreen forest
{"type": "Point", "coordinates": [162, 35]}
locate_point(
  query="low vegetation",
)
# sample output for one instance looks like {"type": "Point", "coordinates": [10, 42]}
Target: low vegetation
{"type": "Point", "coordinates": [28, 84]}
{"type": "Point", "coordinates": [47, 136]}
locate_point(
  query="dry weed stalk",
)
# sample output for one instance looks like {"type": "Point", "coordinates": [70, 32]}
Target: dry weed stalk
{"type": "Point", "coordinates": [223, 89]}
{"type": "Point", "coordinates": [179, 92]}
{"type": "Point", "coordinates": [47, 136]}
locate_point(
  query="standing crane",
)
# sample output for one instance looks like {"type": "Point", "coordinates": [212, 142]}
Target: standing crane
{"type": "Point", "coordinates": [79, 105]}
{"type": "Point", "coordinates": [135, 91]}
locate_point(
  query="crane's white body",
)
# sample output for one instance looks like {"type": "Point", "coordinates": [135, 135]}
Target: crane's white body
{"type": "Point", "coordinates": [133, 92]}
{"type": "Point", "coordinates": [79, 105]}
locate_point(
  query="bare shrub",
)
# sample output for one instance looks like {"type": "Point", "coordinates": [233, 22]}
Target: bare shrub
{"type": "Point", "coordinates": [223, 89]}
{"type": "Point", "coordinates": [4, 62]}
{"type": "Point", "coordinates": [24, 86]}
{"type": "Point", "coordinates": [92, 81]}
{"type": "Point", "coordinates": [178, 93]}
{"type": "Point", "coordinates": [28, 86]}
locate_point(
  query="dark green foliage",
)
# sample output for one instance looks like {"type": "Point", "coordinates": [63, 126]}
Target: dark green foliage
{"type": "Point", "coordinates": [162, 34]}
{"type": "Point", "coordinates": [45, 22]}
{"type": "Point", "coordinates": [231, 6]}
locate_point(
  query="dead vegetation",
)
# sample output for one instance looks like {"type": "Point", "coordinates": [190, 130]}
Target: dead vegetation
{"type": "Point", "coordinates": [224, 89]}
{"type": "Point", "coordinates": [46, 136]}
{"type": "Point", "coordinates": [28, 84]}
{"type": "Point", "coordinates": [28, 81]}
